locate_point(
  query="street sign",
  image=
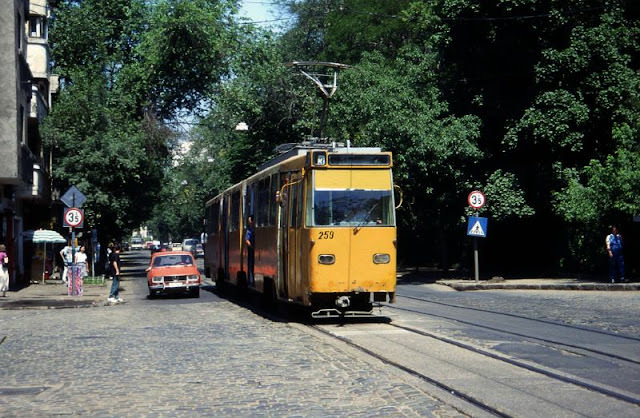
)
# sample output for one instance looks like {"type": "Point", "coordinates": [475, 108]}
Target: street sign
{"type": "Point", "coordinates": [73, 217]}
{"type": "Point", "coordinates": [477, 227]}
{"type": "Point", "coordinates": [476, 199]}
{"type": "Point", "coordinates": [73, 198]}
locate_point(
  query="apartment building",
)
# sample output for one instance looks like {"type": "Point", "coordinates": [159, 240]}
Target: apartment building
{"type": "Point", "coordinates": [26, 89]}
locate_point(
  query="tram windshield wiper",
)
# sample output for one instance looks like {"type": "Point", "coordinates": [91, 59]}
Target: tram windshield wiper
{"type": "Point", "coordinates": [365, 219]}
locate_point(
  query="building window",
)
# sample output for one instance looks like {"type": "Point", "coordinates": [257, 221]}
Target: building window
{"type": "Point", "coordinates": [36, 27]}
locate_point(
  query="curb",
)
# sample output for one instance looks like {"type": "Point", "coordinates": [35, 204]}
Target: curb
{"type": "Point", "coordinates": [462, 286]}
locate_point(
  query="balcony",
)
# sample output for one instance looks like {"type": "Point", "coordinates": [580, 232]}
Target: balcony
{"type": "Point", "coordinates": [34, 179]}
{"type": "Point", "coordinates": [38, 105]}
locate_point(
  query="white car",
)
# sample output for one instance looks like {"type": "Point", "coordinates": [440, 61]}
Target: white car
{"type": "Point", "coordinates": [189, 244]}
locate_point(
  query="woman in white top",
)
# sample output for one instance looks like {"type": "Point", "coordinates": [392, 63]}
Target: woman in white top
{"type": "Point", "coordinates": [81, 260]}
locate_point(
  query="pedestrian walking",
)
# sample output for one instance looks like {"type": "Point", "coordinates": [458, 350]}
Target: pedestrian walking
{"type": "Point", "coordinates": [4, 270]}
{"type": "Point", "coordinates": [616, 257]}
{"type": "Point", "coordinates": [114, 272]}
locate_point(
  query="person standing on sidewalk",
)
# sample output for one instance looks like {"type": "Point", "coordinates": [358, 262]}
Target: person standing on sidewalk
{"type": "Point", "coordinates": [114, 272]}
{"type": "Point", "coordinates": [616, 258]}
{"type": "Point", "coordinates": [81, 260]}
{"type": "Point", "coordinates": [4, 270]}
{"type": "Point", "coordinates": [67, 259]}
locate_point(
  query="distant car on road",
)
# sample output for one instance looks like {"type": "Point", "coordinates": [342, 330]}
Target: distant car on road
{"type": "Point", "coordinates": [136, 243]}
{"type": "Point", "coordinates": [173, 272]}
{"type": "Point", "coordinates": [199, 250]}
{"type": "Point", "coordinates": [189, 244]}
{"type": "Point", "coordinates": [176, 246]}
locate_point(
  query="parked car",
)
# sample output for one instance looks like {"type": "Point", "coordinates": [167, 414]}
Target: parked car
{"type": "Point", "coordinates": [173, 272]}
{"type": "Point", "coordinates": [199, 250]}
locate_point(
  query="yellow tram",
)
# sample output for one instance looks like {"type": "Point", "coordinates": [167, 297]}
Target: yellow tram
{"type": "Point", "coordinates": [325, 230]}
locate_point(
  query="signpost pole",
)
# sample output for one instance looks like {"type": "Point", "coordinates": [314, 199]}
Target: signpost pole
{"type": "Point", "coordinates": [71, 198]}
{"type": "Point", "coordinates": [475, 259]}
{"type": "Point", "coordinates": [476, 200]}
{"type": "Point", "coordinates": [73, 261]}
{"type": "Point", "coordinates": [73, 253]}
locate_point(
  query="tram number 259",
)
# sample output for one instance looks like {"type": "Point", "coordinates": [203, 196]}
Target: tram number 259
{"type": "Point", "coordinates": [325, 235]}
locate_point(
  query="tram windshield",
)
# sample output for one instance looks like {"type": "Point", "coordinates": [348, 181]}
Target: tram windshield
{"type": "Point", "coordinates": [352, 208]}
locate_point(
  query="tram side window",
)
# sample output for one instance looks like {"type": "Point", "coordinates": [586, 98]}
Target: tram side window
{"type": "Point", "coordinates": [262, 212]}
{"type": "Point", "coordinates": [214, 216]}
{"type": "Point", "coordinates": [250, 200]}
{"type": "Point", "coordinates": [273, 207]}
{"type": "Point", "coordinates": [235, 211]}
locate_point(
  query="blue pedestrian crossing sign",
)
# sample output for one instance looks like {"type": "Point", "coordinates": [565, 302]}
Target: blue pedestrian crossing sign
{"type": "Point", "coordinates": [477, 227]}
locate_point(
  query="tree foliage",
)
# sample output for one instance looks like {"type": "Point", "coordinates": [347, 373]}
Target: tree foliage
{"type": "Point", "coordinates": [123, 77]}
{"type": "Point", "coordinates": [535, 102]}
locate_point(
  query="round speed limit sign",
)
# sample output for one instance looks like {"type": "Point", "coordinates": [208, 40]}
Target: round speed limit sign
{"type": "Point", "coordinates": [73, 217]}
{"type": "Point", "coordinates": [476, 199]}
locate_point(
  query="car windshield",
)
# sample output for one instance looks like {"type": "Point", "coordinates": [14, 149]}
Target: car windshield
{"type": "Point", "coordinates": [352, 208]}
{"type": "Point", "coordinates": [173, 260]}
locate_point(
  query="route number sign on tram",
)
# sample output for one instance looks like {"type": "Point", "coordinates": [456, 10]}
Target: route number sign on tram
{"type": "Point", "coordinates": [73, 217]}
{"type": "Point", "coordinates": [476, 199]}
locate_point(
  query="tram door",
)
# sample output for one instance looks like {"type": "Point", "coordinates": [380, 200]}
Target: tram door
{"type": "Point", "coordinates": [293, 275]}
{"type": "Point", "coordinates": [224, 230]}
{"type": "Point", "coordinates": [283, 246]}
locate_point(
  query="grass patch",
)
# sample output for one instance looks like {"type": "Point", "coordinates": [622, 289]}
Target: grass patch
{"type": "Point", "coordinates": [94, 280]}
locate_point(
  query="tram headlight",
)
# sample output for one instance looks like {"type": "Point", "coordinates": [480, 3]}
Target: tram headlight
{"type": "Point", "coordinates": [381, 258]}
{"type": "Point", "coordinates": [326, 259]}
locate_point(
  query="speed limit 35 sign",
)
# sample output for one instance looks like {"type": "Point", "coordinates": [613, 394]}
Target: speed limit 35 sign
{"type": "Point", "coordinates": [476, 199]}
{"type": "Point", "coordinates": [73, 217]}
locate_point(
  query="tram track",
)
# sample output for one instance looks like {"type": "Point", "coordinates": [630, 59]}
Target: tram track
{"type": "Point", "coordinates": [468, 396]}
{"type": "Point", "coordinates": [526, 365]}
{"type": "Point", "coordinates": [527, 336]}
{"type": "Point", "coordinates": [439, 384]}
{"type": "Point", "coordinates": [475, 380]}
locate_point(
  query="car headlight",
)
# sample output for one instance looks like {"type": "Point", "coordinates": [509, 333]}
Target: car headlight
{"type": "Point", "coordinates": [326, 259]}
{"type": "Point", "coordinates": [192, 278]}
{"type": "Point", "coordinates": [381, 258]}
{"type": "Point", "coordinates": [157, 279]}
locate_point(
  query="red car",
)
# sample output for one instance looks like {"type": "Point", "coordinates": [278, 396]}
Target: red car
{"type": "Point", "coordinates": [173, 272]}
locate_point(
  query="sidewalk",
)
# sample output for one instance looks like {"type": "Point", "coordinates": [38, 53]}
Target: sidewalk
{"type": "Point", "coordinates": [53, 295]}
{"type": "Point", "coordinates": [522, 283]}
{"type": "Point", "coordinates": [536, 284]}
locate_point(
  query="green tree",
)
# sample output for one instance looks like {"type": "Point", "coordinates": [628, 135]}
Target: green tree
{"type": "Point", "coordinates": [135, 68]}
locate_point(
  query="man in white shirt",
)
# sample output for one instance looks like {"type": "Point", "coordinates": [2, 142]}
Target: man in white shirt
{"type": "Point", "coordinates": [66, 254]}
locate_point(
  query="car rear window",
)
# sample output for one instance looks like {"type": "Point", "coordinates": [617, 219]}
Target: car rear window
{"type": "Point", "coordinates": [173, 260]}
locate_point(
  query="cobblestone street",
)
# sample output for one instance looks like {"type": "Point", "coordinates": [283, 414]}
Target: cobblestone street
{"type": "Point", "coordinates": [177, 357]}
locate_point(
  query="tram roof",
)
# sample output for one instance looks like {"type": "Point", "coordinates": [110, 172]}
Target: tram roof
{"type": "Point", "coordinates": [295, 150]}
